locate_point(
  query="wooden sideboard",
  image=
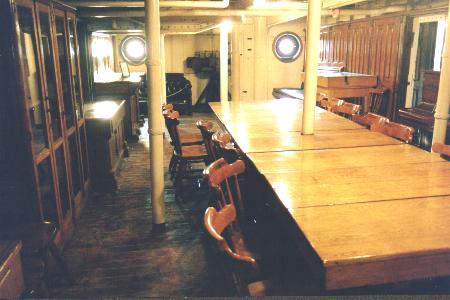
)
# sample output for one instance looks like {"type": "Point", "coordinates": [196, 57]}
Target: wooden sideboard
{"type": "Point", "coordinates": [106, 141]}
{"type": "Point", "coordinates": [11, 277]}
{"type": "Point", "coordinates": [117, 87]}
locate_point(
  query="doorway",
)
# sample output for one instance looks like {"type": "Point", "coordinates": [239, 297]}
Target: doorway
{"type": "Point", "coordinates": [426, 54]}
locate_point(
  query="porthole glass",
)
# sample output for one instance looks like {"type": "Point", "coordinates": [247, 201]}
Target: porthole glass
{"type": "Point", "coordinates": [287, 46]}
{"type": "Point", "coordinates": [133, 50]}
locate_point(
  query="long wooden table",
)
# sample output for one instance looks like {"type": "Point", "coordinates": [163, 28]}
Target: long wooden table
{"type": "Point", "coordinates": [372, 209]}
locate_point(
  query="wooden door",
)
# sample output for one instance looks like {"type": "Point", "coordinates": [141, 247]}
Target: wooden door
{"type": "Point", "coordinates": [385, 43]}
{"type": "Point", "coordinates": [359, 48]}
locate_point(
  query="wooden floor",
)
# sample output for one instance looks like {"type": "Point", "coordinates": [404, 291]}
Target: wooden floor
{"type": "Point", "coordinates": [114, 252]}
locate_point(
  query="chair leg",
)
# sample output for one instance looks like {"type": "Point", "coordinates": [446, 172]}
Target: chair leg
{"type": "Point", "coordinates": [172, 166]}
{"type": "Point", "coordinates": [179, 177]}
{"type": "Point", "coordinates": [173, 170]}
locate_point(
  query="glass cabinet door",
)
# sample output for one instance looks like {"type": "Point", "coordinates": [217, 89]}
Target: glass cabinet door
{"type": "Point", "coordinates": [32, 81]}
{"type": "Point", "coordinates": [47, 192]}
{"type": "Point", "coordinates": [64, 68]}
{"type": "Point", "coordinates": [49, 70]}
{"type": "Point", "coordinates": [73, 48]}
{"type": "Point", "coordinates": [62, 181]}
{"type": "Point", "coordinates": [74, 164]}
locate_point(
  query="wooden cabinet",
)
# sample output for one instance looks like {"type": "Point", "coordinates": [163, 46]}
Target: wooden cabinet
{"type": "Point", "coordinates": [105, 130]}
{"type": "Point", "coordinates": [11, 277]}
{"type": "Point", "coordinates": [117, 87]}
{"type": "Point", "coordinates": [45, 154]}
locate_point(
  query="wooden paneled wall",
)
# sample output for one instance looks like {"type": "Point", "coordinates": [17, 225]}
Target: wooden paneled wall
{"type": "Point", "coordinates": [369, 47]}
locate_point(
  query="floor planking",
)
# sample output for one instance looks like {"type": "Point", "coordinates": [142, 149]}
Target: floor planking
{"type": "Point", "coordinates": [114, 252]}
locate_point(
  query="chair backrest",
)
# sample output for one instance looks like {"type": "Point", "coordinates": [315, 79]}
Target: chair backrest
{"type": "Point", "coordinates": [377, 97]}
{"type": "Point", "coordinates": [172, 122]}
{"type": "Point", "coordinates": [167, 107]}
{"type": "Point", "coordinates": [216, 222]}
{"type": "Point", "coordinates": [222, 177]}
{"type": "Point", "coordinates": [332, 103]}
{"type": "Point", "coordinates": [207, 130]}
{"type": "Point", "coordinates": [441, 149]}
{"type": "Point", "coordinates": [396, 130]}
{"type": "Point", "coordinates": [370, 120]}
{"type": "Point", "coordinates": [223, 147]}
{"type": "Point", "coordinates": [346, 109]}
{"type": "Point", "coordinates": [321, 98]}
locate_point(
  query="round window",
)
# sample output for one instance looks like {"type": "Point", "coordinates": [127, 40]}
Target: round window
{"type": "Point", "coordinates": [287, 46]}
{"type": "Point", "coordinates": [133, 49]}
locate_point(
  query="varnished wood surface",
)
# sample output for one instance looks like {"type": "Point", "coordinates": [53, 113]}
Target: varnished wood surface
{"type": "Point", "coordinates": [355, 185]}
{"type": "Point", "coordinates": [262, 142]}
{"type": "Point", "coordinates": [373, 209]}
{"type": "Point", "coordinates": [379, 242]}
{"type": "Point", "coordinates": [275, 116]}
{"type": "Point", "coordinates": [328, 159]}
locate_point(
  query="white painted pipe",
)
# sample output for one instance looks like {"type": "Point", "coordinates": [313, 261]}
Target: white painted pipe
{"type": "Point", "coordinates": [155, 128]}
{"type": "Point", "coordinates": [335, 13]}
{"type": "Point", "coordinates": [441, 116]}
{"type": "Point", "coordinates": [195, 13]}
{"type": "Point", "coordinates": [186, 4]}
{"type": "Point", "coordinates": [203, 29]}
{"type": "Point", "coordinates": [273, 21]}
{"type": "Point", "coordinates": [224, 30]}
{"type": "Point", "coordinates": [260, 71]}
{"type": "Point", "coordinates": [280, 5]}
{"type": "Point", "coordinates": [163, 70]}
{"type": "Point", "coordinates": [235, 62]}
{"type": "Point", "coordinates": [312, 61]}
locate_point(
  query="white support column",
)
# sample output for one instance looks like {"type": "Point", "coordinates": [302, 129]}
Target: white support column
{"type": "Point", "coordinates": [163, 70]}
{"type": "Point", "coordinates": [155, 128]}
{"type": "Point", "coordinates": [312, 60]}
{"type": "Point", "coordinates": [441, 115]}
{"type": "Point", "coordinates": [260, 84]}
{"type": "Point", "coordinates": [224, 30]}
{"type": "Point", "coordinates": [235, 62]}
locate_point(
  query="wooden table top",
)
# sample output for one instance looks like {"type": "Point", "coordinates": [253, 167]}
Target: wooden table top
{"type": "Point", "coordinates": [262, 142]}
{"type": "Point", "coordinates": [275, 116]}
{"type": "Point", "coordinates": [379, 242]}
{"type": "Point", "coordinates": [329, 159]}
{"type": "Point", "coordinates": [374, 210]}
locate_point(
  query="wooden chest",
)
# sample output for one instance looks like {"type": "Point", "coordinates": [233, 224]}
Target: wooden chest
{"type": "Point", "coordinates": [106, 141]}
{"type": "Point", "coordinates": [11, 277]}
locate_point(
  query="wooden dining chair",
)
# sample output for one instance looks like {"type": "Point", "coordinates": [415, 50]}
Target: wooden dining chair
{"type": "Point", "coordinates": [370, 120]}
{"type": "Point", "coordinates": [377, 99]}
{"type": "Point", "coordinates": [222, 178]}
{"type": "Point", "coordinates": [185, 137]}
{"type": "Point", "coordinates": [207, 130]}
{"type": "Point", "coordinates": [331, 103]}
{"type": "Point", "coordinates": [441, 149]}
{"type": "Point", "coordinates": [346, 109]}
{"type": "Point", "coordinates": [396, 130]}
{"type": "Point", "coordinates": [224, 147]}
{"type": "Point", "coordinates": [183, 155]}
{"type": "Point", "coordinates": [232, 244]}
{"type": "Point", "coordinates": [167, 107]}
{"type": "Point", "coordinates": [321, 99]}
